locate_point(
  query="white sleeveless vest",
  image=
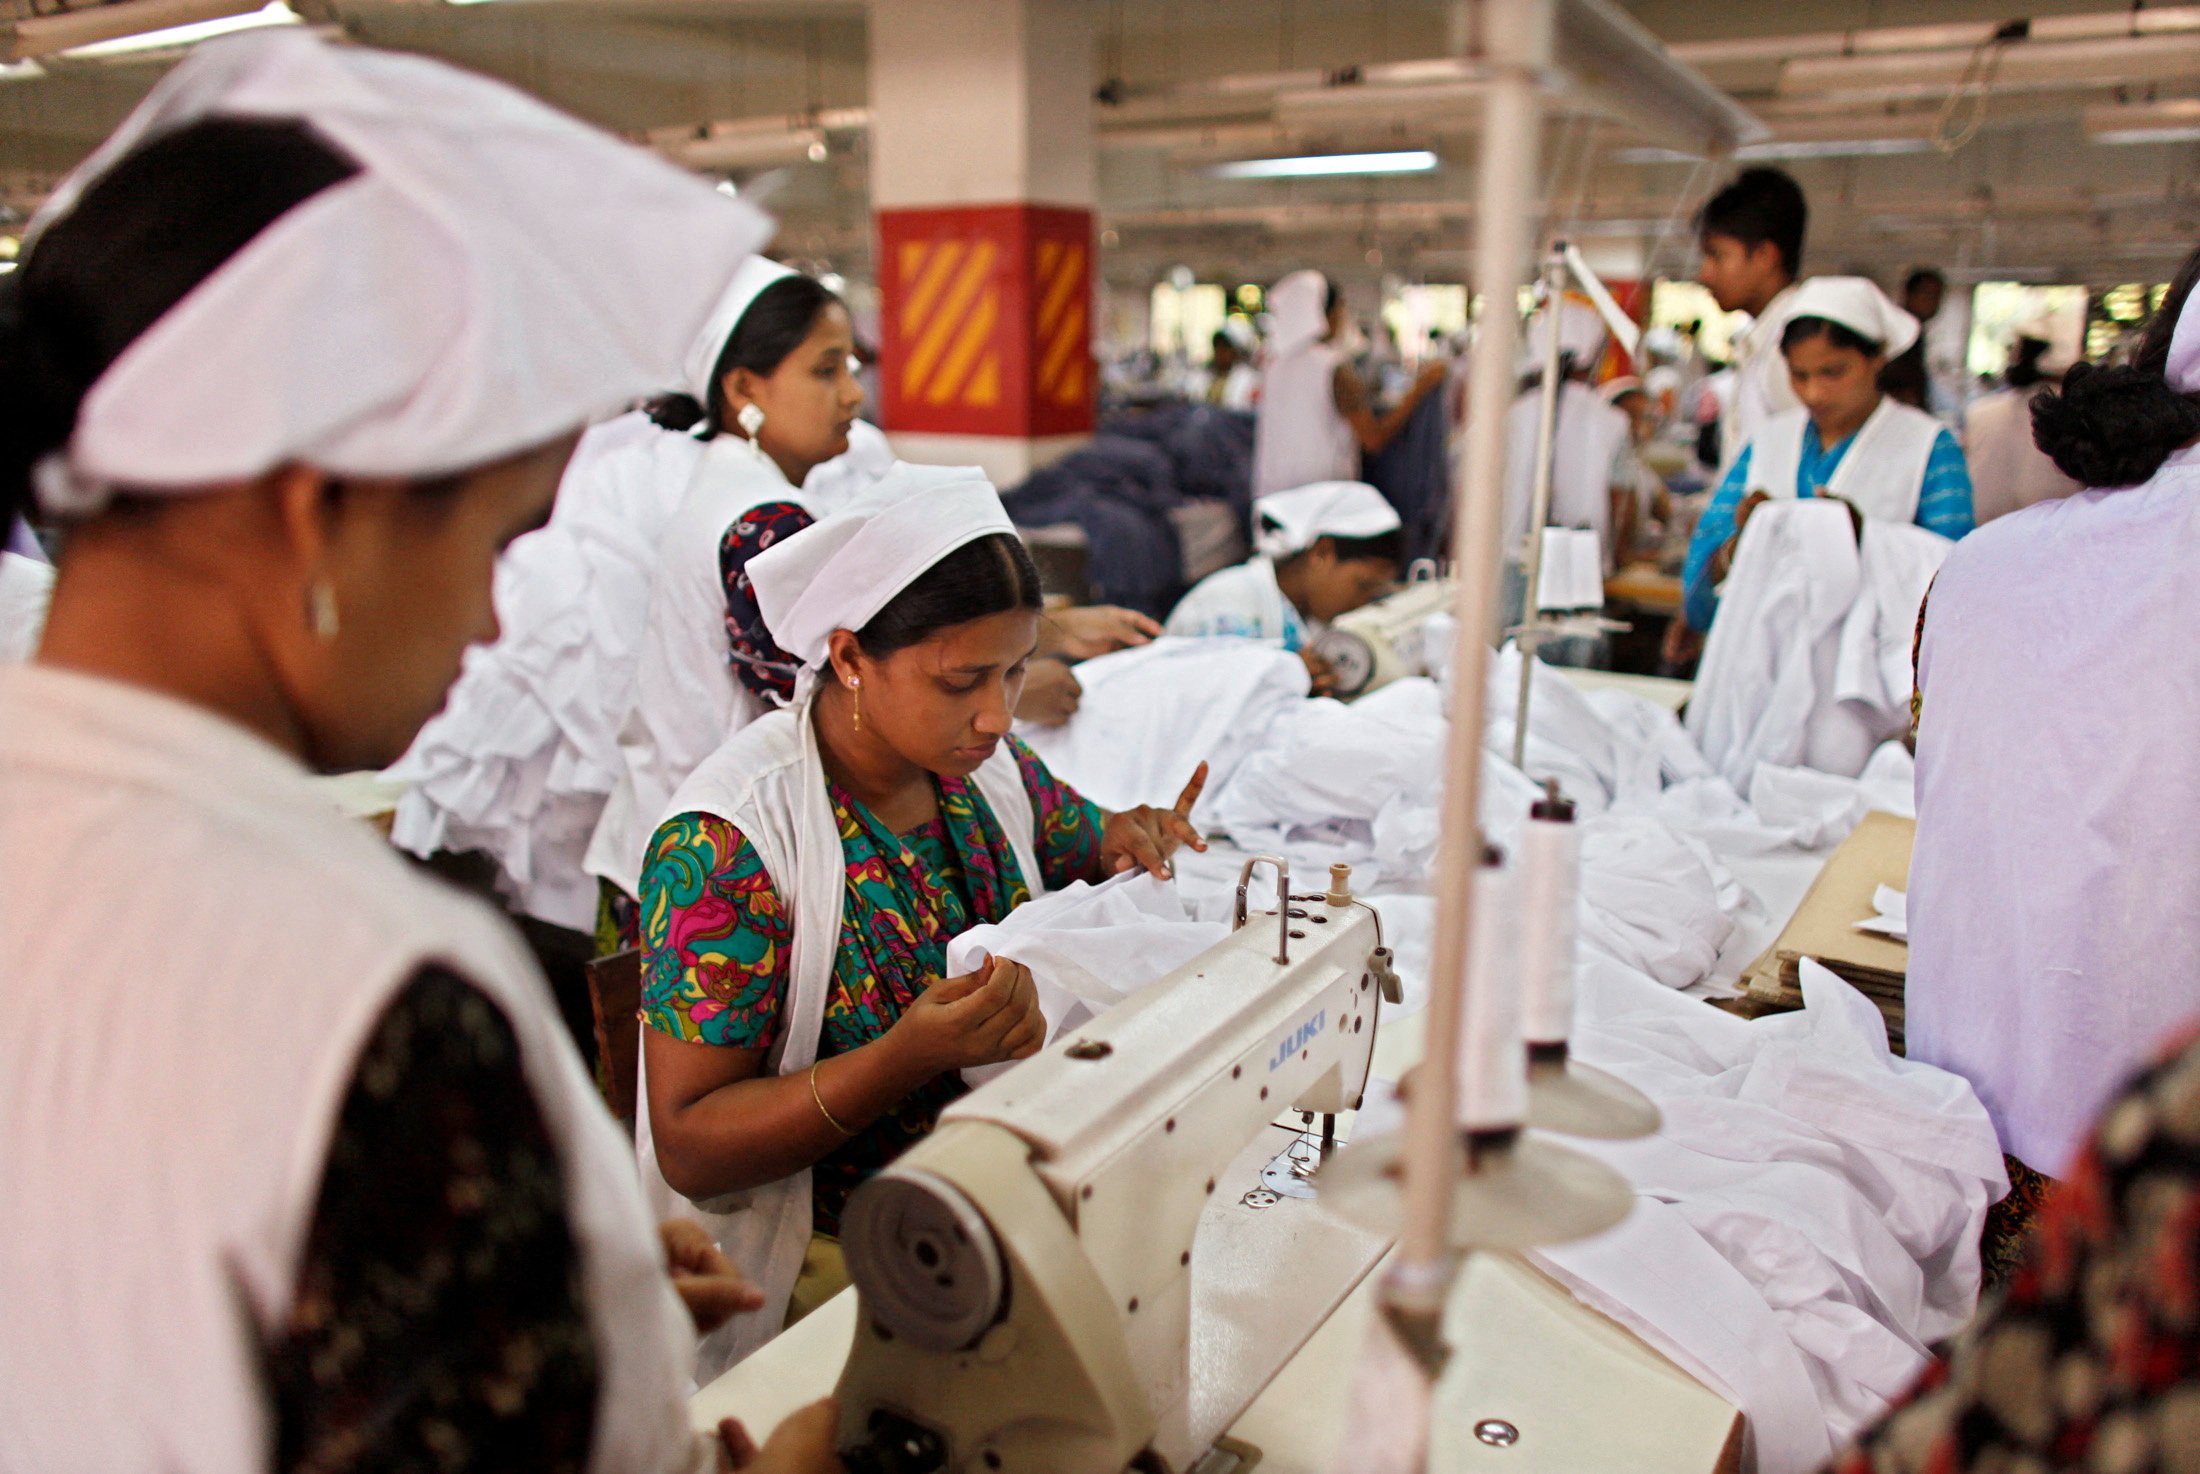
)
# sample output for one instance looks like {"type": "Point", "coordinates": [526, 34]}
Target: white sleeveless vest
{"type": "Point", "coordinates": [687, 696]}
{"type": "Point", "coordinates": [193, 949]}
{"type": "Point", "coordinates": [1883, 473]}
{"type": "Point", "coordinates": [769, 783]}
{"type": "Point", "coordinates": [1299, 438]}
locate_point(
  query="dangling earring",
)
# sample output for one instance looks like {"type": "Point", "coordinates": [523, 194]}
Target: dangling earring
{"type": "Point", "coordinates": [321, 610]}
{"type": "Point", "coordinates": [855, 684]}
{"type": "Point", "coordinates": [750, 417]}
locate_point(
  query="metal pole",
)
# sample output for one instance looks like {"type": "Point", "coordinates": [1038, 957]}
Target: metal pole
{"type": "Point", "coordinates": [1517, 34]}
{"type": "Point", "coordinates": [1539, 504]}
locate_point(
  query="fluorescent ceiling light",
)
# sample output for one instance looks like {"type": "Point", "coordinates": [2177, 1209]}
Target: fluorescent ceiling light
{"type": "Point", "coordinates": [2176, 121]}
{"type": "Point", "coordinates": [274, 13]}
{"type": "Point", "coordinates": [1404, 161]}
{"type": "Point", "coordinates": [1786, 148]}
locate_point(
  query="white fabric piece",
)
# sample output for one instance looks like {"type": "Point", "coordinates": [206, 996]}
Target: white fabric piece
{"type": "Point", "coordinates": [1288, 522]}
{"type": "Point", "coordinates": [26, 588]}
{"type": "Point", "coordinates": [1651, 898]}
{"type": "Point", "coordinates": [2009, 471]}
{"type": "Point", "coordinates": [1896, 564]}
{"type": "Point", "coordinates": [519, 762]}
{"type": "Point", "coordinates": [1858, 304]}
{"type": "Point", "coordinates": [841, 570]}
{"type": "Point", "coordinates": [687, 698]}
{"type": "Point", "coordinates": [496, 275]}
{"type": "Point", "coordinates": [2052, 892]}
{"type": "Point", "coordinates": [1299, 438]}
{"type": "Point", "coordinates": [1846, 1186]}
{"type": "Point", "coordinates": [1571, 575]}
{"type": "Point", "coordinates": [840, 480]}
{"type": "Point", "coordinates": [1890, 914]}
{"type": "Point", "coordinates": [1586, 437]}
{"type": "Point", "coordinates": [1136, 740]}
{"type": "Point", "coordinates": [698, 363]}
{"type": "Point", "coordinates": [1771, 651]}
{"type": "Point", "coordinates": [1812, 810]}
{"type": "Point", "coordinates": [1089, 947]}
{"type": "Point", "coordinates": [1882, 473]}
{"type": "Point", "coordinates": [1760, 387]}
{"type": "Point", "coordinates": [138, 1315]}
{"type": "Point", "coordinates": [768, 782]}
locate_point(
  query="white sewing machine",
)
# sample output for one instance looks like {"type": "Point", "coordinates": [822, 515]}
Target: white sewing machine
{"type": "Point", "coordinates": [1085, 1268]}
{"type": "Point", "coordinates": [1383, 641]}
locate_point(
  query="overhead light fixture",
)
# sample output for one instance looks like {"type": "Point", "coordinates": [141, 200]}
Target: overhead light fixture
{"type": "Point", "coordinates": [153, 27]}
{"type": "Point", "coordinates": [1313, 166]}
{"type": "Point", "coordinates": [2175, 121]}
{"type": "Point", "coordinates": [1782, 149]}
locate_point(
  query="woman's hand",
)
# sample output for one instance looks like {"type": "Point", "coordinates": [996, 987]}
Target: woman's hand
{"type": "Point", "coordinates": [1050, 696]}
{"type": "Point", "coordinates": [1080, 634]}
{"type": "Point", "coordinates": [708, 1284]}
{"type": "Point", "coordinates": [801, 1444]}
{"type": "Point", "coordinates": [981, 1018]}
{"type": "Point", "coordinates": [1145, 837]}
{"type": "Point", "coordinates": [1318, 671]}
{"type": "Point", "coordinates": [1722, 561]}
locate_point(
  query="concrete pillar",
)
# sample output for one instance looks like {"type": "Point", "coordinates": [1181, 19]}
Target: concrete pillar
{"type": "Point", "coordinates": [982, 185]}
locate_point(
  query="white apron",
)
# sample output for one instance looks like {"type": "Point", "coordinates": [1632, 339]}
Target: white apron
{"type": "Point", "coordinates": [1761, 387]}
{"type": "Point", "coordinates": [194, 948]}
{"type": "Point", "coordinates": [1299, 438]}
{"type": "Point", "coordinates": [1883, 473]}
{"type": "Point", "coordinates": [1586, 441]}
{"type": "Point", "coordinates": [687, 697]}
{"type": "Point", "coordinates": [2054, 897]}
{"type": "Point", "coordinates": [768, 782]}
{"type": "Point", "coordinates": [26, 588]}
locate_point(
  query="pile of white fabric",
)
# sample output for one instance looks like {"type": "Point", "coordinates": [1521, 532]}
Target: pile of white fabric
{"type": "Point", "coordinates": [1808, 1219]}
{"type": "Point", "coordinates": [1809, 661]}
{"type": "Point", "coordinates": [519, 761]}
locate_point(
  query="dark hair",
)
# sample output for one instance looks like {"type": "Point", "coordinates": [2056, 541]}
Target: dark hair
{"type": "Point", "coordinates": [2115, 426]}
{"type": "Point", "coordinates": [990, 576]}
{"type": "Point", "coordinates": [1332, 298]}
{"type": "Point", "coordinates": [1840, 335]}
{"type": "Point", "coordinates": [1389, 546]}
{"type": "Point", "coordinates": [157, 223]}
{"type": "Point", "coordinates": [771, 327]}
{"type": "Point", "coordinates": [2024, 364]}
{"type": "Point", "coordinates": [1760, 205]}
{"type": "Point", "coordinates": [1922, 277]}
{"type": "Point", "coordinates": [1222, 340]}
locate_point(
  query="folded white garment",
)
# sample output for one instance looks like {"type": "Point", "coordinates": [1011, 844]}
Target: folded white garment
{"type": "Point", "coordinates": [1088, 947]}
{"type": "Point", "coordinates": [1150, 715]}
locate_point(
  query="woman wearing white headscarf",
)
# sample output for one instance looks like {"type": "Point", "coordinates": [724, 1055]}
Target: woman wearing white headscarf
{"type": "Point", "coordinates": [2053, 896]}
{"type": "Point", "coordinates": [771, 392]}
{"type": "Point", "coordinates": [1314, 421]}
{"type": "Point", "coordinates": [1848, 440]}
{"type": "Point", "coordinates": [799, 896]}
{"type": "Point", "coordinates": [1321, 551]}
{"type": "Point", "coordinates": [298, 1167]}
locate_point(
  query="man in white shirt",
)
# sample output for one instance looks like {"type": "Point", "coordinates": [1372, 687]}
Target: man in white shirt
{"type": "Point", "coordinates": [1751, 233]}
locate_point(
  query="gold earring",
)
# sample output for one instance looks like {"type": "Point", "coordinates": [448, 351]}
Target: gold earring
{"type": "Point", "coordinates": [321, 610]}
{"type": "Point", "coordinates": [855, 685]}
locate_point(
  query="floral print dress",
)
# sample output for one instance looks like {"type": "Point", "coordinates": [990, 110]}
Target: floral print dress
{"type": "Point", "coordinates": [717, 941]}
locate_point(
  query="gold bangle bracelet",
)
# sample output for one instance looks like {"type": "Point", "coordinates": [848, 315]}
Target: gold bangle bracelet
{"type": "Point", "coordinates": [828, 1115]}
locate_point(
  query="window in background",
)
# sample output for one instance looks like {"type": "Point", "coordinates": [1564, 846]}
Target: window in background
{"type": "Point", "coordinates": [1185, 320]}
{"type": "Point", "coordinates": [1414, 312]}
{"type": "Point", "coordinates": [1676, 304]}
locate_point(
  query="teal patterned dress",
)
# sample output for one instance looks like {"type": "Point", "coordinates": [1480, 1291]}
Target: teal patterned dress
{"type": "Point", "coordinates": [717, 942]}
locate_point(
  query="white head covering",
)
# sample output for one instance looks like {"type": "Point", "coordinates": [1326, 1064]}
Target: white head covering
{"type": "Point", "coordinates": [840, 571]}
{"type": "Point", "coordinates": [1300, 305]}
{"type": "Point", "coordinates": [1856, 303]}
{"type": "Point", "coordinates": [1581, 333]}
{"type": "Point", "coordinates": [494, 275]}
{"type": "Point", "coordinates": [698, 368]}
{"type": "Point", "coordinates": [1287, 522]}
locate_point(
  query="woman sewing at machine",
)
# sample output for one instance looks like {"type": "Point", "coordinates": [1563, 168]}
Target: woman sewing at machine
{"type": "Point", "coordinates": [1321, 551]}
{"type": "Point", "coordinates": [798, 901]}
{"type": "Point", "coordinates": [1848, 440]}
{"type": "Point", "coordinates": [323, 1185]}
